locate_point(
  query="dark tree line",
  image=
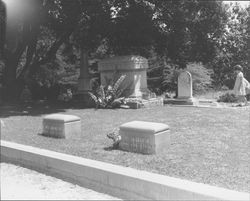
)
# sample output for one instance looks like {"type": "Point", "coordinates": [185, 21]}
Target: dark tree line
{"type": "Point", "coordinates": [176, 31]}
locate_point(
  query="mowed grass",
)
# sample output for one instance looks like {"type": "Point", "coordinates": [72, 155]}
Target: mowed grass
{"type": "Point", "coordinates": [208, 145]}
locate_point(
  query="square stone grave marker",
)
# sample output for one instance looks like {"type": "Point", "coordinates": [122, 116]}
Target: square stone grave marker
{"type": "Point", "coordinates": [62, 126]}
{"type": "Point", "coordinates": [144, 137]}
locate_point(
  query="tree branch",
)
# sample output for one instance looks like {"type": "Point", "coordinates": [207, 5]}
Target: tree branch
{"type": "Point", "coordinates": [56, 45]}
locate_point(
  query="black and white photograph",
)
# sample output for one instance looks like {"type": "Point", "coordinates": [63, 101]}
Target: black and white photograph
{"type": "Point", "coordinates": [125, 100]}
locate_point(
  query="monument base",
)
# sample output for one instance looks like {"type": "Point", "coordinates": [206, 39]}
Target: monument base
{"type": "Point", "coordinates": [181, 101]}
{"type": "Point", "coordinates": [83, 98]}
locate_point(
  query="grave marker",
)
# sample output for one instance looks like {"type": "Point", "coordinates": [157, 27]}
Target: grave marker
{"type": "Point", "coordinates": [185, 88]}
{"type": "Point", "coordinates": [144, 137]}
{"type": "Point", "coordinates": [62, 126]}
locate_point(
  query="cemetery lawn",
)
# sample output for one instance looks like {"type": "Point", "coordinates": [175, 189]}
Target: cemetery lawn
{"type": "Point", "coordinates": [208, 145]}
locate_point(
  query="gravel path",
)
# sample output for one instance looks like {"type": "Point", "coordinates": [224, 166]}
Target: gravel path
{"type": "Point", "coordinates": [18, 183]}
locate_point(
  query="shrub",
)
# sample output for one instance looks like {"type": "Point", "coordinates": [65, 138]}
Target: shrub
{"type": "Point", "coordinates": [109, 96]}
{"type": "Point", "coordinates": [227, 98]}
{"type": "Point", "coordinates": [201, 77]}
{"type": "Point", "coordinates": [65, 97]}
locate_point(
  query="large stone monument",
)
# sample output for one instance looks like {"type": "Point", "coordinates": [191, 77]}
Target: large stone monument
{"type": "Point", "coordinates": [134, 67]}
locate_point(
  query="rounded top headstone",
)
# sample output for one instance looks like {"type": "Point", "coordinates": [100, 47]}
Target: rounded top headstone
{"type": "Point", "coordinates": [185, 89]}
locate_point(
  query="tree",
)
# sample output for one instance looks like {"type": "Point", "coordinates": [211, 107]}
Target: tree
{"type": "Point", "coordinates": [174, 30]}
{"type": "Point", "coordinates": [190, 29]}
{"type": "Point", "coordinates": [2, 27]}
{"type": "Point", "coordinates": [22, 53]}
{"type": "Point", "coordinates": [188, 32]}
{"type": "Point", "coordinates": [233, 46]}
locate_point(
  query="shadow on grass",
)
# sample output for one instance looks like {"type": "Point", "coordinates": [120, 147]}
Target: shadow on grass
{"type": "Point", "coordinates": [111, 148]}
{"type": "Point", "coordinates": [35, 109]}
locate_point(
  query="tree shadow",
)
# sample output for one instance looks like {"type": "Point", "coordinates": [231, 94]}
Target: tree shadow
{"type": "Point", "coordinates": [111, 148]}
{"type": "Point", "coordinates": [34, 109]}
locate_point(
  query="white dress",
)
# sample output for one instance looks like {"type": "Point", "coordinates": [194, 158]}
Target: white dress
{"type": "Point", "coordinates": [240, 85]}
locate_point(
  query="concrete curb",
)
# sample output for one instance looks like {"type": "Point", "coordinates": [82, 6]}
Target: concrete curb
{"type": "Point", "coordinates": [123, 182]}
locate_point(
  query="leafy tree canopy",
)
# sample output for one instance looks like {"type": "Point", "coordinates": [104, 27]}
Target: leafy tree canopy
{"type": "Point", "coordinates": [179, 30]}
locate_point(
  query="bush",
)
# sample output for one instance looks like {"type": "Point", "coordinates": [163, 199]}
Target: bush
{"type": "Point", "coordinates": [227, 98]}
{"type": "Point", "coordinates": [109, 96]}
{"type": "Point", "coordinates": [201, 77]}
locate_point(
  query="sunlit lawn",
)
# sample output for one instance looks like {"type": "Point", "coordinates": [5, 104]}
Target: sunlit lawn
{"type": "Point", "coordinates": [208, 145]}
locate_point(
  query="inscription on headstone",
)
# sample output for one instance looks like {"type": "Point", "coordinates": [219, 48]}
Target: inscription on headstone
{"type": "Point", "coordinates": [138, 144]}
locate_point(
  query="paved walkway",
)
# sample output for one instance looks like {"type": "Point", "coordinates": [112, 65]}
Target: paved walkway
{"type": "Point", "coordinates": [18, 183]}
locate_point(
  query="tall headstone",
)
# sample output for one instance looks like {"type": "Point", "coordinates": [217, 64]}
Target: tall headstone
{"type": "Point", "coordinates": [134, 67]}
{"type": "Point", "coordinates": [185, 88]}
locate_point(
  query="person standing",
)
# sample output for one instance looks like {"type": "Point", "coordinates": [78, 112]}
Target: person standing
{"type": "Point", "coordinates": [240, 85]}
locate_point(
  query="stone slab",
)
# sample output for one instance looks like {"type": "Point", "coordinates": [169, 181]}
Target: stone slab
{"type": "Point", "coordinates": [153, 102]}
{"type": "Point", "coordinates": [123, 182]}
{"type": "Point", "coordinates": [146, 103]}
{"type": "Point", "coordinates": [62, 126]}
{"type": "Point", "coordinates": [144, 137]}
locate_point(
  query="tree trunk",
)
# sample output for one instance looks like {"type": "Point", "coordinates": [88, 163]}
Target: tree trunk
{"type": "Point", "coordinates": [12, 86]}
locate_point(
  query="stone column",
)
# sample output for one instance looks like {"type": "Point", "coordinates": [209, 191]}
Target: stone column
{"type": "Point", "coordinates": [84, 80]}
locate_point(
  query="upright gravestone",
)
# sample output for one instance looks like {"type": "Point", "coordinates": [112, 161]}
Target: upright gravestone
{"type": "Point", "coordinates": [185, 88]}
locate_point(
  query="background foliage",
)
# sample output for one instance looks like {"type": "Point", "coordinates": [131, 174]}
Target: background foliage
{"type": "Point", "coordinates": [43, 46]}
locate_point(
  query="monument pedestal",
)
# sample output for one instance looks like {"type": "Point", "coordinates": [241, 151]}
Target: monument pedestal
{"type": "Point", "coordinates": [82, 95]}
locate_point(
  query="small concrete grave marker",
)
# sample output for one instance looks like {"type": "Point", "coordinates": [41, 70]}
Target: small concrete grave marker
{"type": "Point", "coordinates": [144, 137]}
{"type": "Point", "coordinates": [62, 126]}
